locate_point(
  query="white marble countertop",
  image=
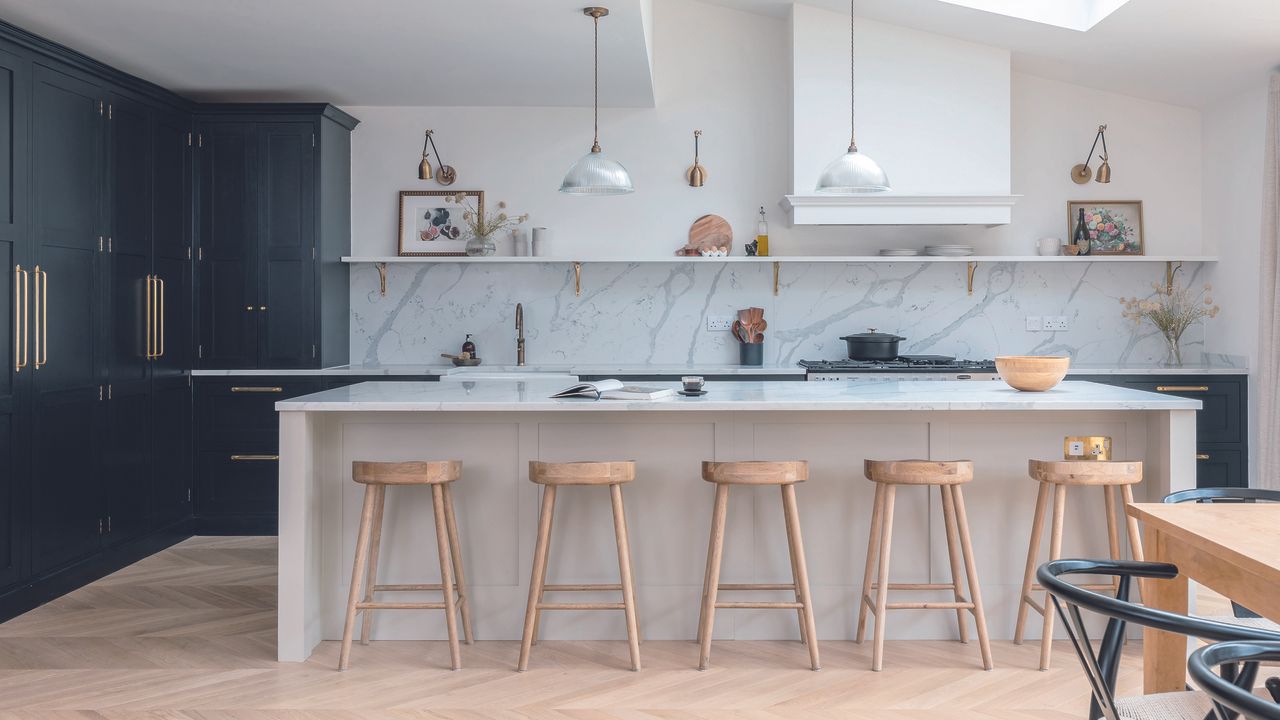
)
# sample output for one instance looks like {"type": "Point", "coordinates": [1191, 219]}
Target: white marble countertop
{"type": "Point", "coordinates": [754, 395]}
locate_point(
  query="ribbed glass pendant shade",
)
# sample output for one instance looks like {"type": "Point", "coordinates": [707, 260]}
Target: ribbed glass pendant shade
{"type": "Point", "coordinates": [595, 174]}
{"type": "Point", "coordinates": [852, 174]}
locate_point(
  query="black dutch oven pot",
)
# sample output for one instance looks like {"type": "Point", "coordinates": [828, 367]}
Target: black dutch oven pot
{"type": "Point", "coordinates": [872, 345]}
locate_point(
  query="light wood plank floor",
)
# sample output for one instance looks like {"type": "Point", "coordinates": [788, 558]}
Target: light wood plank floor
{"type": "Point", "coordinates": [190, 633]}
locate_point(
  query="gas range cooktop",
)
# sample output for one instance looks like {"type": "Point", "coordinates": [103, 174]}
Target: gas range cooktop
{"type": "Point", "coordinates": [903, 364]}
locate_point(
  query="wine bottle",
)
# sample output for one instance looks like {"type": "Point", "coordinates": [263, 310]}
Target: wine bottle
{"type": "Point", "coordinates": [762, 235]}
{"type": "Point", "coordinates": [1080, 238]}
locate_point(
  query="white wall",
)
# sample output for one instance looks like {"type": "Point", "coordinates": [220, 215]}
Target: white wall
{"type": "Point", "coordinates": [1234, 140]}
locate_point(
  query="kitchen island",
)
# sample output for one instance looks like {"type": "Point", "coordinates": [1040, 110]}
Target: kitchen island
{"type": "Point", "coordinates": [496, 427]}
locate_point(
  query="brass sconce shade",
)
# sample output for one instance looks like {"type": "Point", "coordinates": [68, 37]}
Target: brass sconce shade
{"type": "Point", "coordinates": [1082, 173]}
{"type": "Point", "coordinates": [445, 174]}
{"type": "Point", "coordinates": [595, 174]}
{"type": "Point", "coordinates": [852, 173]}
{"type": "Point", "coordinates": [696, 174]}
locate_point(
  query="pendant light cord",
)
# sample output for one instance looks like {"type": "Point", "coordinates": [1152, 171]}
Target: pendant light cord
{"type": "Point", "coordinates": [853, 142]}
{"type": "Point", "coordinates": [595, 103]}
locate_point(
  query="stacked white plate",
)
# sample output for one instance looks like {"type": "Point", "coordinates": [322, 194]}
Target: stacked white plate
{"type": "Point", "coordinates": [948, 250]}
{"type": "Point", "coordinates": [899, 252]}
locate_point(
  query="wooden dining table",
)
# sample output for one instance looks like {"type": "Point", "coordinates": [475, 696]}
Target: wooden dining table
{"type": "Point", "coordinates": [1232, 548]}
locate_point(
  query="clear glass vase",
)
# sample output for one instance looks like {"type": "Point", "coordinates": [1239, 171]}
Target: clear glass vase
{"type": "Point", "coordinates": [1173, 346]}
{"type": "Point", "coordinates": [481, 246]}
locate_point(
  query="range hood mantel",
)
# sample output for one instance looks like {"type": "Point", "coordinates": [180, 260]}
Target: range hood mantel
{"type": "Point", "coordinates": [900, 209]}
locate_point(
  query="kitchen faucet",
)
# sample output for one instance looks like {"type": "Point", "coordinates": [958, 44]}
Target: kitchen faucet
{"type": "Point", "coordinates": [519, 335]}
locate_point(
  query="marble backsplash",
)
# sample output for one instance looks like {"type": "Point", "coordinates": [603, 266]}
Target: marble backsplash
{"type": "Point", "coordinates": [656, 312]}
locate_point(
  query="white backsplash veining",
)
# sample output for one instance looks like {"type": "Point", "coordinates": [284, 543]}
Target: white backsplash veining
{"type": "Point", "coordinates": [655, 313]}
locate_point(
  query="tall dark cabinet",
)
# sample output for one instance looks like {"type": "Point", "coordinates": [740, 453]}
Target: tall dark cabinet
{"type": "Point", "coordinates": [272, 287]}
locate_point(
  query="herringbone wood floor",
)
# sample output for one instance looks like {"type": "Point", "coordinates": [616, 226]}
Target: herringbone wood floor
{"type": "Point", "coordinates": [190, 633]}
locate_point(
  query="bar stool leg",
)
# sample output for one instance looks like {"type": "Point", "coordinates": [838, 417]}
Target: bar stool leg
{"type": "Point", "coordinates": [795, 573]}
{"type": "Point", "coordinates": [882, 586]}
{"type": "Point", "coordinates": [1113, 530]}
{"type": "Point", "coordinates": [624, 573]}
{"type": "Point", "coordinates": [877, 514]}
{"type": "Point", "coordinates": [459, 577]}
{"type": "Point", "coordinates": [1135, 536]}
{"type": "Point", "coordinates": [539, 573]}
{"type": "Point", "coordinates": [446, 575]}
{"type": "Point", "coordinates": [537, 613]}
{"type": "Point", "coordinates": [975, 590]}
{"type": "Point", "coordinates": [357, 570]}
{"type": "Point", "coordinates": [953, 553]}
{"type": "Point", "coordinates": [1033, 551]}
{"type": "Point", "coordinates": [375, 544]}
{"type": "Point", "coordinates": [1055, 551]}
{"type": "Point", "coordinates": [801, 579]}
{"type": "Point", "coordinates": [712, 585]}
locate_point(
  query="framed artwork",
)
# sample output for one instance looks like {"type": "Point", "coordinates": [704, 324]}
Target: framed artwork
{"type": "Point", "coordinates": [431, 224]}
{"type": "Point", "coordinates": [1115, 226]}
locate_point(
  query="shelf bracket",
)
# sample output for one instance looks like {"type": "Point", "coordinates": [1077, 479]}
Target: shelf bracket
{"type": "Point", "coordinates": [577, 278]}
{"type": "Point", "coordinates": [1169, 272]}
{"type": "Point", "coordinates": [776, 266]}
{"type": "Point", "coordinates": [973, 267]}
{"type": "Point", "coordinates": [382, 278]}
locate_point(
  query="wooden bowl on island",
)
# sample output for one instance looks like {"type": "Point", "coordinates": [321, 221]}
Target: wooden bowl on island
{"type": "Point", "coordinates": [1032, 373]}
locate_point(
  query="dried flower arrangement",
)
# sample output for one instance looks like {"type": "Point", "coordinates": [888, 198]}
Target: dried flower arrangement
{"type": "Point", "coordinates": [1171, 310]}
{"type": "Point", "coordinates": [482, 224]}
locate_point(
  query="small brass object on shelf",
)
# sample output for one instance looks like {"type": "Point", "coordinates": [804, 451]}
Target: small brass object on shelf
{"type": "Point", "coordinates": [1089, 447]}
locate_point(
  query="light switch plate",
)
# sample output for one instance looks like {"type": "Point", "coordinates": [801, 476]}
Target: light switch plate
{"type": "Point", "coordinates": [719, 323]}
{"type": "Point", "coordinates": [1034, 323]}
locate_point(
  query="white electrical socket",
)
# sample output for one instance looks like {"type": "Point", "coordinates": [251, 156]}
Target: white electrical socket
{"type": "Point", "coordinates": [1034, 323]}
{"type": "Point", "coordinates": [719, 323]}
{"type": "Point", "coordinates": [1054, 323]}
{"type": "Point", "coordinates": [1075, 448]}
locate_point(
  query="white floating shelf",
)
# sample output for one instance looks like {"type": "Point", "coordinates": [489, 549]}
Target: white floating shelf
{"type": "Point", "coordinates": [847, 259]}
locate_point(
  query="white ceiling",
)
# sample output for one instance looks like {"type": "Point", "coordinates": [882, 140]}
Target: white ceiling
{"type": "Point", "coordinates": [538, 52]}
{"type": "Point", "coordinates": [377, 52]}
{"type": "Point", "coordinates": [1185, 52]}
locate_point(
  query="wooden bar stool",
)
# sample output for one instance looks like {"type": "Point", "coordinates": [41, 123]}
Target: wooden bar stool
{"type": "Point", "coordinates": [754, 472]}
{"type": "Point", "coordinates": [1056, 476]}
{"type": "Point", "coordinates": [377, 477]}
{"type": "Point", "coordinates": [555, 475]}
{"type": "Point", "coordinates": [948, 477]}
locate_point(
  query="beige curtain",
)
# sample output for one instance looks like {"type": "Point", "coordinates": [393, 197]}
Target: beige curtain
{"type": "Point", "coordinates": [1268, 374]}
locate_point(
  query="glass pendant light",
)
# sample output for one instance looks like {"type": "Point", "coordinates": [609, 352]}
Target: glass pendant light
{"type": "Point", "coordinates": [852, 173]}
{"type": "Point", "coordinates": [595, 174]}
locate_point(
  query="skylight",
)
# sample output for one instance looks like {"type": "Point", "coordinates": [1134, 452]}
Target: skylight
{"type": "Point", "coordinates": [1078, 15]}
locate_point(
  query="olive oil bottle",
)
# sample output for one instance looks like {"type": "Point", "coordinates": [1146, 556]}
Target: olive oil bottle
{"type": "Point", "coordinates": [762, 235]}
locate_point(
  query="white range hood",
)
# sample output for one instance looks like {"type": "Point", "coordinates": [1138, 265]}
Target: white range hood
{"type": "Point", "coordinates": [933, 111]}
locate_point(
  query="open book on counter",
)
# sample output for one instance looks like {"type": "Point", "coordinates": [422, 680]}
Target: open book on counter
{"type": "Point", "coordinates": [614, 390]}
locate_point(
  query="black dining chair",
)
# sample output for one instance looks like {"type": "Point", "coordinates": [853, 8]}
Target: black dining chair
{"type": "Point", "coordinates": [1233, 659]}
{"type": "Point", "coordinates": [1242, 615]}
{"type": "Point", "coordinates": [1102, 667]}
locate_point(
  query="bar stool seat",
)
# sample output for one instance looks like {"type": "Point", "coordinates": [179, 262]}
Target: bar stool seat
{"type": "Point", "coordinates": [1055, 476]}
{"type": "Point", "coordinates": [949, 477]}
{"type": "Point", "coordinates": [556, 475]}
{"type": "Point", "coordinates": [377, 477]}
{"type": "Point", "coordinates": [785, 474]}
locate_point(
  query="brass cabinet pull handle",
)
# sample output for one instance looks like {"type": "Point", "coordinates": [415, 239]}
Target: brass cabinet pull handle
{"type": "Point", "coordinates": [160, 317]}
{"type": "Point", "coordinates": [21, 328]}
{"type": "Point", "coordinates": [148, 321]}
{"type": "Point", "coordinates": [42, 317]}
{"type": "Point", "coordinates": [249, 458]}
{"type": "Point", "coordinates": [256, 389]}
{"type": "Point", "coordinates": [1202, 456]}
{"type": "Point", "coordinates": [1182, 388]}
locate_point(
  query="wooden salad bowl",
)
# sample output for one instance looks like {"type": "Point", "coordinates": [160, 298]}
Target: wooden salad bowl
{"type": "Point", "coordinates": [1032, 373]}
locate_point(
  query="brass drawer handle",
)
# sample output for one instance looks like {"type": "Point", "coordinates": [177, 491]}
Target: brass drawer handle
{"type": "Point", "coordinates": [1202, 456]}
{"type": "Point", "coordinates": [256, 388]}
{"type": "Point", "coordinates": [245, 458]}
{"type": "Point", "coordinates": [1182, 388]}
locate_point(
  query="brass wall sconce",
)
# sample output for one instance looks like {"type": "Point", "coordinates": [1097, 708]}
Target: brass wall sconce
{"type": "Point", "coordinates": [445, 174]}
{"type": "Point", "coordinates": [696, 174]}
{"type": "Point", "coordinates": [1081, 173]}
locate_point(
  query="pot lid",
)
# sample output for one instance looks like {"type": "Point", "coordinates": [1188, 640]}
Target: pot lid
{"type": "Point", "coordinates": [872, 336]}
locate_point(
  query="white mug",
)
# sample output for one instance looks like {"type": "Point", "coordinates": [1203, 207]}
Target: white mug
{"type": "Point", "coordinates": [519, 243]}
{"type": "Point", "coordinates": [1049, 246]}
{"type": "Point", "coordinates": [541, 241]}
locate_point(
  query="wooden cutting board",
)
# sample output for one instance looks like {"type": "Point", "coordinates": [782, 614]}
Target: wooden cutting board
{"type": "Point", "coordinates": [708, 232]}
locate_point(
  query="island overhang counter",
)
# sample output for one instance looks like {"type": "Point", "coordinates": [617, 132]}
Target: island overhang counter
{"type": "Point", "coordinates": [496, 427]}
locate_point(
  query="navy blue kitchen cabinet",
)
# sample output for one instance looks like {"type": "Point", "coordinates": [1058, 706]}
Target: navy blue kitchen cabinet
{"type": "Point", "coordinates": [274, 224]}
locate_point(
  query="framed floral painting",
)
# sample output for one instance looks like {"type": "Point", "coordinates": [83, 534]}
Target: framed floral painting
{"type": "Point", "coordinates": [1115, 226]}
{"type": "Point", "coordinates": [431, 221]}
